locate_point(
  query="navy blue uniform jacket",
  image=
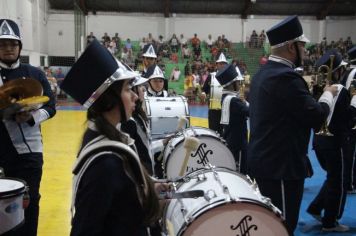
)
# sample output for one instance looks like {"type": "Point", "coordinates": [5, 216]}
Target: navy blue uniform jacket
{"type": "Point", "coordinates": [282, 113]}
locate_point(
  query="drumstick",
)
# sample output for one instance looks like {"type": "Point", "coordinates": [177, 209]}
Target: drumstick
{"type": "Point", "coordinates": [190, 144]}
{"type": "Point", "coordinates": [181, 122]}
{"type": "Point", "coordinates": [180, 126]}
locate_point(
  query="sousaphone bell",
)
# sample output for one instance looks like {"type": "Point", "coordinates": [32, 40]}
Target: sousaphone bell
{"type": "Point", "coordinates": [18, 95]}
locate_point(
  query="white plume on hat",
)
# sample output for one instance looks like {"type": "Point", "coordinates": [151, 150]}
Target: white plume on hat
{"type": "Point", "coordinates": [222, 58]}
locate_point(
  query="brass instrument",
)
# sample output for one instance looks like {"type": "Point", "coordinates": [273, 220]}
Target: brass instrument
{"type": "Point", "coordinates": [22, 94]}
{"type": "Point", "coordinates": [324, 131]}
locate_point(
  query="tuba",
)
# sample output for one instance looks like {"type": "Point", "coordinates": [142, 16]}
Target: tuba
{"type": "Point", "coordinates": [18, 95]}
{"type": "Point", "coordinates": [324, 131]}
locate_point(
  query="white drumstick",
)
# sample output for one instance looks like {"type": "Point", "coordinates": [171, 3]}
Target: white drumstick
{"type": "Point", "coordinates": [190, 144]}
{"type": "Point", "coordinates": [181, 122]}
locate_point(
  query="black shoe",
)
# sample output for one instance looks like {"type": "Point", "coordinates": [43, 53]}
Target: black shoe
{"type": "Point", "coordinates": [315, 215]}
{"type": "Point", "coordinates": [337, 228]}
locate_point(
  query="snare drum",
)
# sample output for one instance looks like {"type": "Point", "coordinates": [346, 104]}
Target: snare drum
{"type": "Point", "coordinates": [232, 206]}
{"type": "Point", "coordinates": [212, 149]}
{"type": "Point", "coordinates": [11, 203]}
{"type": "Point", "coordinates": [163, 114]}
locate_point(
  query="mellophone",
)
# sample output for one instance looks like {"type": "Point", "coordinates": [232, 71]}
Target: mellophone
{"type": "Point", "coordinates": [209, 200]}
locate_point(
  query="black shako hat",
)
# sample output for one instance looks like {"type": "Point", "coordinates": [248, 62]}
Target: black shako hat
{"type": "Point", "coordinates": [325, 59]}
{"type": "Point", "coordinates": [227, 75]}
{"type": "Point", "coordinates": [94, 72]}
{"type": "Point", "coordinates": [288, 30]}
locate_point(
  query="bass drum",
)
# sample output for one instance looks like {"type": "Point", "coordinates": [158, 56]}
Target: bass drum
{"type": "Point", "coordinates": [163, 114]}
{"type": "Point", "coordinates": [212, 150]}
{"type": "Point", "coordinates": [12, 193]}
{"type": "Point", "coordinates": [232, 205]}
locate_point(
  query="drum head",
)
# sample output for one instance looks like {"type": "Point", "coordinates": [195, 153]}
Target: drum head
{"type": "Point", "coordinates": [10, 187]}
{"type": "Point", "coordinates": [239, 218]}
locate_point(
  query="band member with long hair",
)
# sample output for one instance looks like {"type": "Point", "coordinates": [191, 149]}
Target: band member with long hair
{"type": "Point", "coordinates": [112, 192]}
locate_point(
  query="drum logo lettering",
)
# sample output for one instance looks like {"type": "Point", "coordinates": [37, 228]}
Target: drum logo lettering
{"type": "Point", "coordinates": [13, 207]}
{"type": "Point", "coordinates": [202, 154]}
{"type": "Point", "coordinates": [244, 227]}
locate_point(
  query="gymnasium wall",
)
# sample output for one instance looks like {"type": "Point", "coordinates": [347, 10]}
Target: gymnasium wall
{"type": "Point", "coordinates": [51, 32]}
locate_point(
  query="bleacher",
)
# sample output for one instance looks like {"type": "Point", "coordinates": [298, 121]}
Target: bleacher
{"type": "Point", "coordinates": [250, 56]}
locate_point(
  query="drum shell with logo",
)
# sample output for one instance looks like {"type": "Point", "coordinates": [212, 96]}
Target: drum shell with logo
{"type": "Point", "coordinates": [212, 150]}
{"type": "Point", "coordinates": [11, 203]}
{"type": "Point", "coordinates": [232, 206]}
{"type": "Point", "coordinates": [163, 114]}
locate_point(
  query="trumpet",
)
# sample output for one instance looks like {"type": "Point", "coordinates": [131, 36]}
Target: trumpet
{"type": "Point", "coordinates": [324, 131]}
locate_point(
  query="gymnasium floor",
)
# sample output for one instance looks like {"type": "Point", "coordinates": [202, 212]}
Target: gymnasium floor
{"type": "Point", "coordinates": [61, 137]}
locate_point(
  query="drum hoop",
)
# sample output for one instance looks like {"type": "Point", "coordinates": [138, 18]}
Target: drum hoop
{"type": "Point", "coordinates": [200, 212]}
{"type": "Point", "coordinates": [218, 138]}
{"type": "Point", "coordinates": [14, 192]}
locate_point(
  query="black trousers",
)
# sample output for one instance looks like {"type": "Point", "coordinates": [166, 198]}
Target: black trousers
{"type": "Point", "coordinates": [332, 195]}
{"type": "Point", "coordinates": [286, 195]}
{"type": "Point", "coordinates": [214, 116]}
{"type": "Point", "coordinates": [27, 167]}
{"type": "Point", "coordinates": [350, 164]}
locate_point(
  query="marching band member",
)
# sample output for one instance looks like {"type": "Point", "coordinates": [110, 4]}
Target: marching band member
{"type": "Point", "coordinates": [214, 113]}
{"type": "Point", "coordinates": [282, 113]}
{"type": "Point", "coordinates": [138, 128]}
{"type": "Point", "coordinates": [149, 57]}
{"type": "Point", "coordinates": [331, 151]}
{"type": "Point", "coordinates": [156, 82]}
{"type": "Point", "coordinates": [349, 81]}
{"type": "Point", "coordinates": [21, 153]}
{"type": "Point", "coordinates": [234, 113]}
{"type": "Point", "coordinates": [112, 192]}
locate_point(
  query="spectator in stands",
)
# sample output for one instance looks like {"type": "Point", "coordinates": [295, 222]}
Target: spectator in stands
{"type": "Point", "coordinates": [348, 43]}
{"type": "Point", "coordinates": [186, 69]}
{"type": "Point", "coordinates": [174, 43]}
{"type": "Point", "coordinates": [150, 39]}
{"type": "Point", "coordinates": [253, 39]}
{"type": "Point", "coordinates": [261, 39]}
{"type": "Point", "coordinates": [90, 38]}
{"type": "Point", "coordinates": [143, 43]}
{"type": "Point", "coordinates": [105, 38]}
{"type": "Point", "coordinates": [128, 46]}
{"type": "Point", "coordinates": [59, 74]}
{"type": "Point", "coordinates": [112, 46]}
{"type": "Point", "coordinates": [197, 52]}
{"type": "Point", "coordinates": [186, 53]}
{"type": "Point", "coordinates": [160, 44]}
{"type": "Point", "coordinates": [263, 60]}
{"type": "Point", "coordinates": [209, 42]}
{"type": "Point", "coordinates": [226, 42]}
{"type": "Point", "coordinates": [117, 40]}
{"type": "Point", "coordinates": [195, 41]}
{"type": "Point", "coordinates": [175, 74]}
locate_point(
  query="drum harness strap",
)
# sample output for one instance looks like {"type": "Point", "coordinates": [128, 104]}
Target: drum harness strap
{"type": "Point", "coordinates": [225, 110]}
{"type": "Point", "coordinates": [96, 149]}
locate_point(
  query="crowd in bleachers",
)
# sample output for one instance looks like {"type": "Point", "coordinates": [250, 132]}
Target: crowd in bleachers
{"type": "Point", "coordinates": [315, 51]}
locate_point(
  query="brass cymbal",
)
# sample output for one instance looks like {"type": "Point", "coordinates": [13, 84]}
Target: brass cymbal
{"type": "Point", "coordinates": [18, 89]}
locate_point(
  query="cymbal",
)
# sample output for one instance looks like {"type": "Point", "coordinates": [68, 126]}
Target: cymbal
{"type": "Point", "coordinates": [23, 94]}
{"type": "Point", "coordinates": [18, 89]}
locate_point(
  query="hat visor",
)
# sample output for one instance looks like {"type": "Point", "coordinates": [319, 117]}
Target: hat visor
{"type": "Point", "coordinates": [303, 39]}
{"type": "Point", "coordinates": [8, 36]}
{"type": "Point", "coordinates": [149, 55]}
{"type": "Point", "coordinates": [139, 80]}
{"type": "Point", "coordinates": [221, 61]}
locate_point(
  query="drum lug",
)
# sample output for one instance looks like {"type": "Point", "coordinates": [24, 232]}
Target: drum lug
{"type": "Point", "coordinates": [210, 194]}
